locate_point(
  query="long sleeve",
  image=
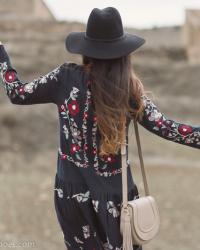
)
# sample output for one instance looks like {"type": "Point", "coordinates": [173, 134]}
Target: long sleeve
{"type": "Point", "coordinates": [44, 89]}
{"type": "Point", "coordinates": [158, 123]}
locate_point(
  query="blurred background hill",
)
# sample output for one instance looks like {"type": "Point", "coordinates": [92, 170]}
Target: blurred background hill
{"type": "Point", "coordinates": [167, 66]}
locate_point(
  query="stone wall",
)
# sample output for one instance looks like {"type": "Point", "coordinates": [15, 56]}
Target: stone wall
{"type": "Point", "coordinates": [191, 35]}
{"type": "Point", "coordinates": [24, 10]}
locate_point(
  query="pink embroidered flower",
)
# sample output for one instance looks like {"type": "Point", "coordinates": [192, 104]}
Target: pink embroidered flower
{"type": "Point", "coordinates": [94, 151]}
{"type": "Point", "coordinates": [159, 122]}
{"type": "Point", "coordinates": [74, 148]}
{"type": "Point", "coordinates": [10, 76]}
{"type": "Point", "coordinates": [61, 107]}
{"type": "Point", "coordinates": [184, 129]}
{"type": "Point", "coordinates": [85, 146]}
{"type": "Point", "coordinates": [73, 107]}
{"type": "Point", "coordinates": [21, 90]}
{"type": "Point", "coordinates": [95, 118]}
{"type": "Point", "coordinates": [85, 115]}
{"type": "Point", "coordinates": [63, 156]}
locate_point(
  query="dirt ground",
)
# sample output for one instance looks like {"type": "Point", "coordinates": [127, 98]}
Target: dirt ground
{"type": "Point", "coordinates": [27, 212]}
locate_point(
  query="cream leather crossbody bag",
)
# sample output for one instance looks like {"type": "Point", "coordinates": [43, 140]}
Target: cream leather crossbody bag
{"type": "Point", "coordinates": [139, 220]}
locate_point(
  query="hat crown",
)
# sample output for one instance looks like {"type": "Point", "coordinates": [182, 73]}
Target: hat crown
{"type": "Point", "coordinates": [104, 24]}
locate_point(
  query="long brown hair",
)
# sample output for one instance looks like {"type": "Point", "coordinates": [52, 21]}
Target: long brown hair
{"type": "Point", "coordinates": [113, 84]}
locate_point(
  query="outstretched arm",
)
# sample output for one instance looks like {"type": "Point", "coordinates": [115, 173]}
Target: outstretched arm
{"type": "Point", "coordinates": [41, 90]}
{"type": "Point", "coordinates": [161, 125]}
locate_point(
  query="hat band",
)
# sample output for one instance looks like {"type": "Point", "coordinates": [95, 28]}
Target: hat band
{"type": "Point", "coordinates": [104, 40]}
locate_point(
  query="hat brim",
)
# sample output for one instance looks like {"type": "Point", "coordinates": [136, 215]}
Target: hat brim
{"type": "Point", "coordinates": [77, 43]}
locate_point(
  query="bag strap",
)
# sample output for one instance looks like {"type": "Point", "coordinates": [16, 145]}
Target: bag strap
{"type": "Point", "coordinates": [124, 159]}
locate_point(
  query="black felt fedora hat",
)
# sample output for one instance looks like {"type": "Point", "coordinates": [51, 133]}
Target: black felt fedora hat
{"type": "Point", "coordinates": [104, 37]}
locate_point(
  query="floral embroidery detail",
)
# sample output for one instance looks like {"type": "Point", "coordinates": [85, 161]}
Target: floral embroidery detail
{"type": "Point", "coordinates": [84, 125]}
{"type": "Point", "coordinates": [85, 146]}
{"type": "Point", "coordinates": [28, 88]}
{"type": "Point", "coordinates": [66, 131]}
{"type": "Point", "coordinates": [77, 137]}
{"type": "Point", "coordinates": [10, 76]}
{"type": "Point", "coordinates": [85, 115]}
{"type": "Point", "coordinates": [79, 144]}
{"type": "Point", "coordinates": [68, 110]}
{"type": "Point", "coordinates": [184, 129]}
{"type": "Point", "coordinates": [107, 245]}
{"type": "Point", "coordinates": [74, 148]}
{"type": "Point", "coordinates": [69, 158]}
{"type": "Point", "coordinates": [112, 209]}
{"type": "Point", "coordinates": [73, 107]}
{"type": "Point", "coordinates": [86, 231]}
{"type": "Point", "coordinates": [95, 205]}
{"type": "Point", "coordinates": [82, 197]}
{"type": "Point", "coordinates": [96, 158]}
{"type": "Point", "coordinates": [158, 123]}
{"type": "Point", "coordinates": [67, 242]}
{"type": "Point", "coordinates": [60, 192]}
{"type": "Point", "coordinates": [78, 240]}
{"type": "Point", "coordinates": [16, 88]}
{"type": "Point", "coordinates": [109, 159]}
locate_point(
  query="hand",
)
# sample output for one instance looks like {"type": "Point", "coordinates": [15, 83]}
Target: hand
{"type": "Point", "coordinates": [1, 43]}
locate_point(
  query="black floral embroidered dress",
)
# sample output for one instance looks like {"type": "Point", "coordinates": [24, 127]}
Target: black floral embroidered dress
{"type": "Point", "coordinates": [88, 188]}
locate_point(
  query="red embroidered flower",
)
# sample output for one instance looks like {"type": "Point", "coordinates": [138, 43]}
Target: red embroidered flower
{"type": "Point", "coordinates": [184, 129]}
{"type": "Point", "coordinates": [109, 158]}
{"type": "Point", "coordinates": [73, 107]}
{"type": "Point", "coordinates": [10, 76]}
{"type": "Point", "coordinates": [74, 148]}
{"type": "Point", "coordinates": [159, 122]}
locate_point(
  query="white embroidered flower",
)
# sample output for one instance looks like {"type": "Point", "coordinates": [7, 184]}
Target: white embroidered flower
{"type": "Point", "coordinates": [78, 240]}
{"type": "Point", "coordinates": [112, 209]}
{"type": "Point", "coordinates": [67, 242]}
{"type": "Point", "coordinates": [86, 231]}
{"type": "Point", "coordinates": [66, 131]}
{"type": "Point", "coordinates": [95, 204]}
{"type": "Point", "coordinates": [73, 93]}
{"type": "Point", "coordinates": [3, 66]}
{"type": "Point", "coordinates": [82, 197]}
{"type": "Point", "coordinates": [29, 87]}
{"type": "Point", "coordinates": [107, 245]}
{"type": "Point", "coordinates": [43, 79]}
{"type": "Point", "coordinates": [60, 192]}
{"type": "Point", "coordinates": [155, 115]}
